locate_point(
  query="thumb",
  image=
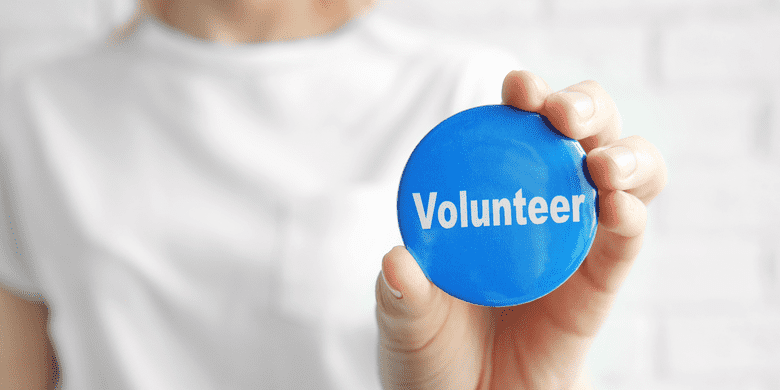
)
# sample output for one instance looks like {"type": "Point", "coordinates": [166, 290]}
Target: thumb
{"type": "Point", "coordinates": [410, 309]}
{"type": "Point", "coordinates": [403, 291]}
{"type": "Point", "coordinates": [427, 339]}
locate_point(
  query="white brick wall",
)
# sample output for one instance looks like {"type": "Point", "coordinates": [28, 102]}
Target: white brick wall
{"type": "Point", "coordinates": [731, 49]}
{"type": "Point", "coordinates": [738, 344]}
{"type": "Point", "coordinates": [696, 272]}
{"type": "Point", "coordinates": [701, 309]}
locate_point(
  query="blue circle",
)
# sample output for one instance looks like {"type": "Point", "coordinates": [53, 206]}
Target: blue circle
{"type": "Point", "coordinates": [497, 206]}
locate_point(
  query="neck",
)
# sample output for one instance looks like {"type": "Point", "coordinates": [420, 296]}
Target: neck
{"type": "Point", "coordinates": [251, 21]}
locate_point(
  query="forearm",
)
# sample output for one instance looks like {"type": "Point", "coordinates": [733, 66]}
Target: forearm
{"type": "Point", "coordinates": [26, 355]}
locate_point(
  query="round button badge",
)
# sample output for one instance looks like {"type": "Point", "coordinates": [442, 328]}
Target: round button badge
{"type": "Point", "coordinates": [497, 206]}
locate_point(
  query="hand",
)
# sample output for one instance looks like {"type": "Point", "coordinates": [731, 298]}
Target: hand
{"type": "Point", "coordinates": [430, 340]}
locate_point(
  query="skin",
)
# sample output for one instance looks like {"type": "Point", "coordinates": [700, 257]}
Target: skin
{"type": "Point", "coordinates": [252, 21]}
{"type": "Point", "coordinates": [26, 355]}
{"type": "Point", "coordinates": [430, 340]}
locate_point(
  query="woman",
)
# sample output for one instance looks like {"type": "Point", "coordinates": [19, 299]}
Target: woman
{"type": "Point", "coordinates": [199, 206]}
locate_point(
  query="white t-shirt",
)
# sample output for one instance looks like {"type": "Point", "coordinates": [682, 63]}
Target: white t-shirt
{"type": "Point", "coordinates": [206, 217]}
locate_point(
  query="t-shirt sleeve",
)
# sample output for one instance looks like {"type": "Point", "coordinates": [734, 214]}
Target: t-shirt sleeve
{"type": "Point", "coordinates": [16, 274]}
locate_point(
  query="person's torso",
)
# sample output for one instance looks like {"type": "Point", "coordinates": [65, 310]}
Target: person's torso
{"type": "Point", "coordinates": [203, 226]}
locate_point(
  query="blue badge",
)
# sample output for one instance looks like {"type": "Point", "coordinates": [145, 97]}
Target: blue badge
{"type": "Point", "coordinates": [496, 206]}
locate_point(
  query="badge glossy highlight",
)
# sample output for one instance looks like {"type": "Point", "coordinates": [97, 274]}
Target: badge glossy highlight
{"type": "Point", "coordinates": [496, 206]}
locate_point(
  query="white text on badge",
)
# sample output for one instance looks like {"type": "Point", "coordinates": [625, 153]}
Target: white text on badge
{"type": "Point", "coordinates": [447, 213]}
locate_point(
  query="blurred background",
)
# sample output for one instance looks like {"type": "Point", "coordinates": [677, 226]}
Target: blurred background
{"type": "Point", "coordinates": [700, 78]}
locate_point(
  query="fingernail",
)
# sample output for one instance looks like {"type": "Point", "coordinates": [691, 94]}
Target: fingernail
{"type": "Point", "coordinates": [395, 292]}
{"type": "Point", "coordinates": [623, 158]}
{"type": "Point", "coordinates": [582, 103]}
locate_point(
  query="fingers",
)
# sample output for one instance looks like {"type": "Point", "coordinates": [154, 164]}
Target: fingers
{"type": "Point", "coordinates": [583, 111]}
{"type": "Point", "coordinates": [631, 164]}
